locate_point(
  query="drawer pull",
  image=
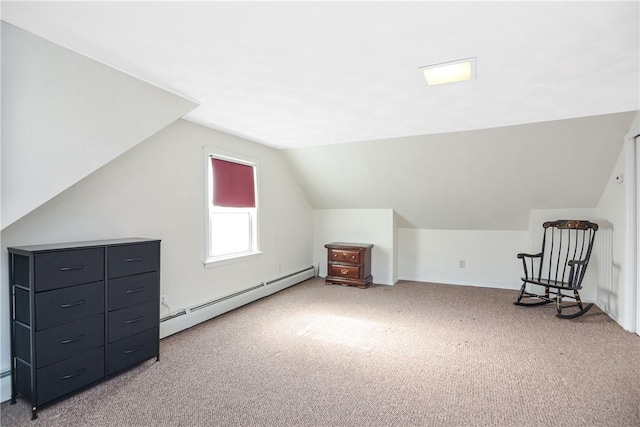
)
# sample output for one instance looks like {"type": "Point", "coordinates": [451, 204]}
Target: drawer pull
{"type": "Point", "coordinates": [69, 341]}
{"type": "Point", "coordinates": [72, 304]}
{"type": "Point", "coordinates": [75, 267]}
{"type": "Point", "coordinates": [134, 350]}
{"type": "Point", "coordinates": [75, 374]}
{"type": "Point", "coordinates": [134, 259]}
{"type": "Point", "coordinates": [344, 271]}
{"type": "Point", "coordinates": [353, 257]}
{"type": "Point", "coordinates": [134, 291]}
{"type": "Point", "coordinates": [137, 319]}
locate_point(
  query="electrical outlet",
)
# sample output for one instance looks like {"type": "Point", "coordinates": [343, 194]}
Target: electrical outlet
{"type": "Point", "coordinates": [462, 263]}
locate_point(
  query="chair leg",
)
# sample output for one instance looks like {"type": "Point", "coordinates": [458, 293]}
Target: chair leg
{"type": "Point", "coordinates": [523, 292]}
{"type": "Point", "coordinates": [522, 289]}
{"type": "Point", "coordinates": [576, 295]}
{"type": "Point", "coordinates": [559, 302]}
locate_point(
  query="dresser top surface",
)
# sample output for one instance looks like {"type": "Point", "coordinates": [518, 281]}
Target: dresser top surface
{"type": "Point", "coordinates": [345, 245]}
{"type": "Point", "coordinates": [80, 245]}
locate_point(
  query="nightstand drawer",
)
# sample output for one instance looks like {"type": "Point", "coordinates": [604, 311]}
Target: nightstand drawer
{"type": "Point", "coordinates": [349, 271]}
{"type": "Point", "coordinates": [336, 255]}
{"type": "Point", "coordinates": [61, 306]}
{"type": "Point", "coordinates": [131, 290]}
{"type": "Point", "coordinates": [70, 339]}
{"type": "Point", "coordinates": [61, 269]}
{"type": "Point", "coordinates": [349, 264]}
{"type": "Point", "coordinates": [133, 259]}
{"type": "Point", "coordinates": [132, 320]}
{"type": "Point", "coordinates": [131, 350]}
{"type": "Point", "coordinates": [63, 377]}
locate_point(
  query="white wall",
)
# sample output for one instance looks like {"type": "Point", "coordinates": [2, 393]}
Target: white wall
{"type": "Point", "coordinates": [616, 296]}
{"type": "Point", "coordinates": [157, 190]}
{"type": "Point", "coordinates": [435, 255]}
{"type": "Point", "coordinates": [612, 214]}
{"type": "Point", "coordinates": [64, 115]}
{"type": "Point", "coordinates": [396, 246]}
{"type": "Point", "coordinates": [375, 226]}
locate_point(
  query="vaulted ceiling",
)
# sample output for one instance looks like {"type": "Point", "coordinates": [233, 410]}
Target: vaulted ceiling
{"type": "Point", "coordinates": [336, 86]}
{"type": "Point", "coordinates": [293, 74]}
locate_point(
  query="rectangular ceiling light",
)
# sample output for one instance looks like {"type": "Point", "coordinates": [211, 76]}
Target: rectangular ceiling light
{"type": "Point", "coordinates": [450, 72]}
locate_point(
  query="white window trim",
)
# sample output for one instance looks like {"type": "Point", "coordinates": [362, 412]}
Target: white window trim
{"type": "Point", "coordinates": [209, 261]}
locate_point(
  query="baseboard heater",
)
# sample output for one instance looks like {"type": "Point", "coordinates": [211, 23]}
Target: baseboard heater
{"type": "Point", "coordinates": [191, 316]}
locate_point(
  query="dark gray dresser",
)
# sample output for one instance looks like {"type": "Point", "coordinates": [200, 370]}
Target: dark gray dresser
{"type": "Point", "coordinates": [81, 312]}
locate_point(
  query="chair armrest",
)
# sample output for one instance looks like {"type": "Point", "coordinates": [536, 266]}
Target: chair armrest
{"type": "Point", "coordinates": [520, 256]}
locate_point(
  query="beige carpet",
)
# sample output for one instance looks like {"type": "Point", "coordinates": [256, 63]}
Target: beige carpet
{"type": "Point", "coordinates": [411, 354]}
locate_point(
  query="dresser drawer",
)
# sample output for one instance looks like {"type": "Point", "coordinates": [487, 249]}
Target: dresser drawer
{"type": "Point", "coordinates": [131, 350]}
{"type": "Point", "coordinates": [337, 255]}
{"type": "Point", "coordinates": [70, 339]}
{"type": "Point", "coordinates": [72, 305]}
{"type": "Point", "coordinates": [55, 270]}
{"type": "Point", "coordinates": [63, 377]}
{"type": "Point", "coordinates": [131, 290]}
{"type": "Point", "coordinates": [61, 306]}
{"type": "Point", "coordinates": [132, 320]}
{"type": "Point", "coordinates": [348, 271]}
{"type": "Point", "coordinates": [133, 259]}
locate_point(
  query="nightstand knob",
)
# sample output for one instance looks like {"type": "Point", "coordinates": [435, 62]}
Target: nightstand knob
{"type": "Point", "coordinates": [344, 271]}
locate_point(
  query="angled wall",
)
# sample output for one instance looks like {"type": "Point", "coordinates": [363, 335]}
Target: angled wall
{"type": "Point", "coordinates": [65, 115]}
{"type": "Point", "coordinates": [486, 179]}
{"type": "Point", "coordinates": [618, 289]}
{"type": "Point", "coordinates": [157, 189]}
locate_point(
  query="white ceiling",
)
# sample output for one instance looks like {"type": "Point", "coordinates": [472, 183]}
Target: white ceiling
{"type": "Point", "coordinates": [293, 74]}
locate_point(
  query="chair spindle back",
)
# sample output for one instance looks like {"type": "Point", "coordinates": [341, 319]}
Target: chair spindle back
{"type": "Point", "coordinates": [566, 249]}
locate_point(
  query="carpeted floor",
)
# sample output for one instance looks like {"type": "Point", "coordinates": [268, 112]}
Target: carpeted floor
{"type": "Point", "coordinates": [410, 354]}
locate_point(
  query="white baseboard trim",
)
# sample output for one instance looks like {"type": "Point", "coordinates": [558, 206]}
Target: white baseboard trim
{"type": "Point", "coordinates": [5, 385]}
{"type": "Point", "coordinates": [493, 286]}
{"type": "Point", "coordinates": [460, 283]}
{"type": "Point", "coordinates": [192, 316]}
{"type": "Point", "coordinates": [189, 317]}
{"type": "Point", "coordinates": [603, 308]}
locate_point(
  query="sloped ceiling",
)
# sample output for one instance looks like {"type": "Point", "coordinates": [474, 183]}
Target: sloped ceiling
{"type": "Point", "coordinates": [485, 179]}
{"type": "Point", "coordinates": [65, 115]}
{"type": "Point", "coordinates": [335, 85]}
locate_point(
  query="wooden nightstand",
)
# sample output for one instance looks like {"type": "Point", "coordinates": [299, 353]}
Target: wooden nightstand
{"type": "Point", "coordinates": [349, 264]}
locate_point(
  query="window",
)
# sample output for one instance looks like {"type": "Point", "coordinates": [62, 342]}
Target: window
{"type": "Point", "coordinates": [232, 209]}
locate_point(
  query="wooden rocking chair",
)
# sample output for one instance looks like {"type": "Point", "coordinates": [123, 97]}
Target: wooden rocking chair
{"type": "Point", "coordinates": [559, 267]}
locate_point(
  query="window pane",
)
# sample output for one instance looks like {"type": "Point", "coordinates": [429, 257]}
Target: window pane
{"type": "Point", "coordinates": [230, 233]}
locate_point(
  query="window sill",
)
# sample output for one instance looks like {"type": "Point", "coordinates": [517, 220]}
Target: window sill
{"type": "Point", "coordinates": [230, 259]}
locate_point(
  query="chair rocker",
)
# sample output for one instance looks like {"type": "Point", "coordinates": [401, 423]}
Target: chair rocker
{"type": "Point", "coordinates": [559, 267]}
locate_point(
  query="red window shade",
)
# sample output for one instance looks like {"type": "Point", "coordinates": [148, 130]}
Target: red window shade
{"type": "Point", "coordinates": [233, 184]}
